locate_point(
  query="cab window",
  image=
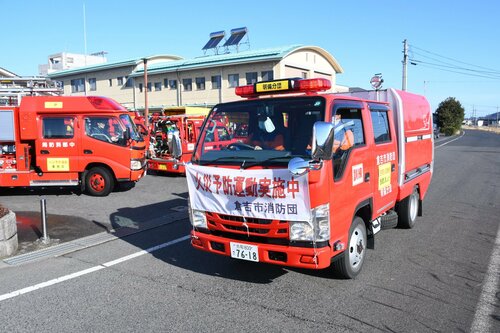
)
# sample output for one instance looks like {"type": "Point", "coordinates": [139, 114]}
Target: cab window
{"type": "Point", "coordinates": [380, 123]}
{"type": "Point", "coordinates": [58, 128]}
{"type": "Point", "coordinates": [349, 133]}
{"type": "Point", "coordinates": [105, 129]}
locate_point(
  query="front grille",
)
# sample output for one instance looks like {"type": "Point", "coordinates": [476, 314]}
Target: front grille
{"type": "Point", "coordinates": [247, 226]}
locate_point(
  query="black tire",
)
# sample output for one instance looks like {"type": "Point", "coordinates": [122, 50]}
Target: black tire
{"type": "Point", "coordinates": [351, 260]}
{"type": "Point", "coordinates": [408, 210]}
{"type": "Point", "coordinates": [99, 182]}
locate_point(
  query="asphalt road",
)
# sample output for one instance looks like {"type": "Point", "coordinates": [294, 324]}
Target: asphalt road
{"type": "Point", "coordinates": [442, 276]}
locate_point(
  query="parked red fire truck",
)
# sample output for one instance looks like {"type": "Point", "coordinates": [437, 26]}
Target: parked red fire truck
{"type": "Point", "coordinates": [315, 176]}
{"type": "Point", "coordinates": [163, 129]}
{"type": "Point", "coordinates": [69, 141]}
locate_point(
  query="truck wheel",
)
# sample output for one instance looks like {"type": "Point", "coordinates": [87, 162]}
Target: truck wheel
{"type": "Point", "coordinates": [98, 182]}
{"type": "Point", "coordinates": [408, 210]}
{"type": "Point", "coordinates": [351, 260]}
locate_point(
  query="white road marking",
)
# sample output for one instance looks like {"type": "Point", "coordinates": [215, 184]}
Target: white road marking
{"type": "Point", "coordinates": [89, 270]}
{"type": "Point", "coordinates": [486, 305]}
{"type": "Point", "coordinates": [444, 144]}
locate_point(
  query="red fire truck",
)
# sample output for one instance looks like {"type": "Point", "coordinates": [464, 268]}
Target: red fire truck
{"type": "Point", "coordinates": [314, 177]}
{"type": "Point", "coordinates": [164, 128]}
{"type": "Point", "coordinates": [69, 141]}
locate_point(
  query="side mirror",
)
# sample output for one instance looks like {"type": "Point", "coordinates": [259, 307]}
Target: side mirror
{"type": "Point", "coordinates": [176, 145]}
{"type": "Point", "coordinates": [322, 141]}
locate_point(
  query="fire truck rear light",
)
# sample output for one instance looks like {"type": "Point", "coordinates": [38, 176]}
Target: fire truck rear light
{"type": "Point", "coordinates": [308, 259]}
{"type": "Point", "coordinates": [102, 103]}
{"type": "Point", "coordinates": [245, 90]}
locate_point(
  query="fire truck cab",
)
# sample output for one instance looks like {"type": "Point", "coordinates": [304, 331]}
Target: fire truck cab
{"type": "Point", "coordinates": [69, 141]}
{"type": "Point", "coordinates": [314, 177]}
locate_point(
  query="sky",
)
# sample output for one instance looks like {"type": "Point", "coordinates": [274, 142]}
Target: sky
{"type": "Point", "coordinates": [455, 45]}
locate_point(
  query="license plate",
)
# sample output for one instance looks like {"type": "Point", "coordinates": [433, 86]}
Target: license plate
{"type": "Point", "coordinates": [244, 251]}
{"type": "Point", "coordinates": [162, 167]}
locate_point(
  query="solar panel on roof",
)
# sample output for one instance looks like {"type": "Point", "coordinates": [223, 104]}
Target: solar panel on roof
{"type": "Point", "coordinates": [215, 38]}
{"type": "Point", "coordinates": [236, 36]}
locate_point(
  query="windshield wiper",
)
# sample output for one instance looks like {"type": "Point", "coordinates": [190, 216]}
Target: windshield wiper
{"type": "Point", "coordinates": [268, 160]}
{"type": "Point", "coordinates": [244, 158]}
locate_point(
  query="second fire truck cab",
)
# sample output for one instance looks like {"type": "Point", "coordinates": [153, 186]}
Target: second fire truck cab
{"type": "Point", "coordinates": [69, 141]}
{"type": "Point", "coordinates": [313, 177]}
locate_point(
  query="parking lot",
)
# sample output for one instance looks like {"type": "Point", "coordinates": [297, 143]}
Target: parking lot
{"type": "Point", "coordinates": [72, 214]}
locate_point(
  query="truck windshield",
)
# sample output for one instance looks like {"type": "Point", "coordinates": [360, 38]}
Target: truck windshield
{"type": "Point", "coordinates": [128, 123]}
{"type": "Point", "coordinates": [267, 131]}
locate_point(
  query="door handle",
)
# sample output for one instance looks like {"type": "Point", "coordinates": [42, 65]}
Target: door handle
{"type": "Point", "coordinates": [393, 167]}
{"type": "Point", "coordinates": [367, 177]}
{"type": "Point", "coordinates": [87, 152]}
{"type": "Point", "coordinates": [44, 152]}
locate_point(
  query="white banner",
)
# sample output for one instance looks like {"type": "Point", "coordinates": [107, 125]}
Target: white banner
{"type": "Point", "coordinates": [264, 193]}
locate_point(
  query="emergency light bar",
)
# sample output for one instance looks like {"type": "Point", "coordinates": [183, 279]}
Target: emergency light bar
{"type": "Point", "coordinates": [103, 103]}
{"type": "Point", "coordinates": [283, 86]}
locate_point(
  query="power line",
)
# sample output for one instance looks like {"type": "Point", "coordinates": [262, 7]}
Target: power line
{"type": "Point", "coordinates": [439, 67]}
{"type": "Point", "coordinates": [455, 60]}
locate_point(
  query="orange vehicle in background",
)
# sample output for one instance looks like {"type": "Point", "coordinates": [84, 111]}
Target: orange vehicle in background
{"type": "Point", "coordinates": [311, 177]}
{"type": "Point", "coordinates": [89, 142]}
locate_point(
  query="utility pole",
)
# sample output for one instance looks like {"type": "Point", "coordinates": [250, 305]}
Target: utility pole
{"type": "Point", "coordinates": [405, 63]}
{"type": "Point", "coordinates": [146, 84]}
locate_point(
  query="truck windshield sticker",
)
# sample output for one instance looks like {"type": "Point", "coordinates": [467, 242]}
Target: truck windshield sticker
{"type": "Point", "coordinates": [357, 174]}
{"type": "Point", "coordinates": [269, 193]}
{"type": "Point", "coordinates": [58, 164]}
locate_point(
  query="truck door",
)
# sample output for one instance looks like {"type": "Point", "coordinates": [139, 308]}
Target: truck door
{"type": "Point", "coordinates": [351, 168]}
{"type": "Point", "coordinates": [384, 156]}
{"type": "Point", "coordinates": [57, 148]}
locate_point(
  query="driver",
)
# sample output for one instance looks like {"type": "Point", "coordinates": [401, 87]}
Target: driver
{"type": "Point", "coordinates": [266, 136]}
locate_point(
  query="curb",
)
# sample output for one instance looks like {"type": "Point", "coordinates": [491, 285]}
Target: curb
{"type": "Point", "coordinates": [8, 234]}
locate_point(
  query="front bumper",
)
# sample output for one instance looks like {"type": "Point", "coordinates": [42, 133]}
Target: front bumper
{"type": "Point", "coordinates": [292, 256]}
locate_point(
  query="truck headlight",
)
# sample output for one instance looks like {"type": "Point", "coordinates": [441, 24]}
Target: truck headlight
{"type": "Point", "coordinates": [135, 165]}
{"type": "Point", "coordinates": [317, 230]}
{"type": "Point", "coordinates": [198, 218]}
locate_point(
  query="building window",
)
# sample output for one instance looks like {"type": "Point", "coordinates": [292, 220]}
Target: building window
{"type": "Point", "coordinates": [77, 85]}
{"type": "Point", "coordinates": [150, 86]}
{"type": "Point", "coordinates": [129, 82]}
{"type": "Point", "coordinates": [120, 80]}
{"type": "Point", "coordinates": [172, 84]}
{"type": "Point", "coordinates": [233, 80]}
{"type": "Point", "coordinates": [200, 83]}
{"type": "Point", "coordinates": [165, 83]}
{"type": "Point", "coordinates": [216, 82]}
{"type": "Point", "coordinates": [304, 75]}
{"type": "Point", "coordinates": [157, 86]}
{"type": "Point", "coordinates": [140, 87]}
{"type": "Point", "coordinates": [92, 84]}
{"type": "Point", "coordinates": [251, 77]}
{"type": "Point", "coordinates": [267, 75]}
{"type": "Point", "coordinates": [188, 84]}
{"type": "Point", "coordinates": [110, 82]}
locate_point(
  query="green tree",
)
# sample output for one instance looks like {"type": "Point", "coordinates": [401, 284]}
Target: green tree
{"type": "Point", "coordinates": [450, 115]}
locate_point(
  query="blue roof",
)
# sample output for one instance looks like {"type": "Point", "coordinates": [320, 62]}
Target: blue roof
{"type": "Point", "coordinates": [220, 59]}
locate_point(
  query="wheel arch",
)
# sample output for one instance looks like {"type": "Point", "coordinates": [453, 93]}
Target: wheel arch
{"type": "Point", "coordinates": [89, 166]}
{"type": "Point", "coordinates": [365, 210]}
